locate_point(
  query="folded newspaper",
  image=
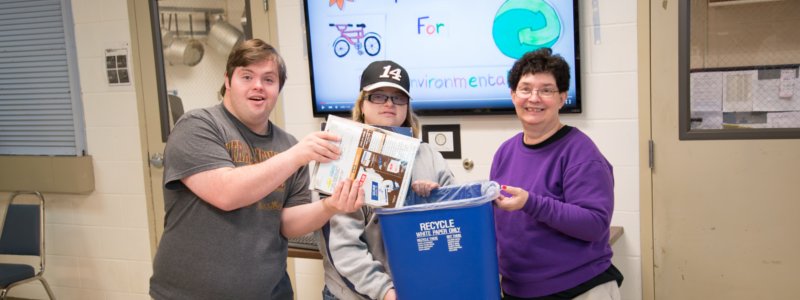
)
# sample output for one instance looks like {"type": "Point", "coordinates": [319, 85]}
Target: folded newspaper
{"type": "Point", "coordinates": [378, 158]}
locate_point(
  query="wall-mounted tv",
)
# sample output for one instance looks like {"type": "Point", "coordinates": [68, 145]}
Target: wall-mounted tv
{"type": "Point", "coordinates": [457, 52]}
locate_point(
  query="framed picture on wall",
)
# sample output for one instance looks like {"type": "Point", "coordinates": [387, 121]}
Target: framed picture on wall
{"type": "Point", "coordinates": [444, 138]}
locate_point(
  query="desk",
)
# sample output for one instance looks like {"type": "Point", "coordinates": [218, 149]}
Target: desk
{"type": "Point", "coordinates": [614, 235]}
{"type": "Point", "coordinates": [304, 253]}
{"type": "Point", "coordinates": [616, 232]}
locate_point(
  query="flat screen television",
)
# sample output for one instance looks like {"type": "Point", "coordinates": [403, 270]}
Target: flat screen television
{"type": "Point", "coordinates": [457, 52]}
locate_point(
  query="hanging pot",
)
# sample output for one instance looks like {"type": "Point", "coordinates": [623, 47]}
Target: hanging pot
{"type": "Point", "coordinates": [184, 52]}
{"type": "Point", "coordinates": [167, 36]}
{"type": "Point", "coordinates": [223, 36]}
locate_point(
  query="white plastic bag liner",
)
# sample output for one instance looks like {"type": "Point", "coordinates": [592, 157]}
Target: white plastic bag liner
{"type": "Point", "coordinates": [454, 196]}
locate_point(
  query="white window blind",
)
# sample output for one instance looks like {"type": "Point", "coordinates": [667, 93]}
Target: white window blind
{"type": "Point", "coordinates": [40, 107]}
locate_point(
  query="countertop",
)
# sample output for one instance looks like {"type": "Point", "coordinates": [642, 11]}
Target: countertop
{"type": "Point", "coordinates": [616, 233]}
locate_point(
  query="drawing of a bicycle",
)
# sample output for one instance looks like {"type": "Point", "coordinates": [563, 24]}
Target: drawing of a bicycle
{"type": "Point", "coordinates": [349, 36]}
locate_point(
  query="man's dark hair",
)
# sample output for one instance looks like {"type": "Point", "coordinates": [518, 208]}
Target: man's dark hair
{"type": "Point", "coordinates": [253, 51]}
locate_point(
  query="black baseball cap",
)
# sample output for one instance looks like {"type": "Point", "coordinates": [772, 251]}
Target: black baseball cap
{"type": "Point", "coordinates": [385, 73]}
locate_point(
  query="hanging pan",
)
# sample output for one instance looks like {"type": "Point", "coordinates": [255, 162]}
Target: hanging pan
{"type": "Point", "coordinates": [184, 51]}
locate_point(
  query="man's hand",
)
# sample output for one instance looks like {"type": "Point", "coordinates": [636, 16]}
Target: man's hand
{"type": "Point", "coordinates": [347, 197]}
{"type": "Point", "coordinates": [515, 202]}
{"type": "Point", "coordinates": [318, 146]}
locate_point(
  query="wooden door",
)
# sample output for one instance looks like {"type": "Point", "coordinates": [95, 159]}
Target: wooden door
{"type": "Point", "coordinates": [724, 212]}
{"type": "Point", "coordinates": [261, 19]}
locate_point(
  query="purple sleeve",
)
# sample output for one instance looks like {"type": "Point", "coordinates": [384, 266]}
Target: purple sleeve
{"type": "Point", "coordinates": [496, 161]}
{"type": "Point", "coordinates": [586, 211]}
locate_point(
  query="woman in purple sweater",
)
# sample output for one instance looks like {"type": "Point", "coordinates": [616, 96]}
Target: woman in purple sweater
{"type": "Point", "coordinates": [553, 217]}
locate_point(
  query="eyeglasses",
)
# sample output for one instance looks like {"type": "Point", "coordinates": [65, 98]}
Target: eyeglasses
{"type": "Point", "coordinates": [543, 93]}
{"type": "Point", "coordinates": [381, 99]}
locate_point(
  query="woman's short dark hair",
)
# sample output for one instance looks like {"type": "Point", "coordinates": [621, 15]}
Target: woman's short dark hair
{"type": "Point", "coordinates": [540, 61]}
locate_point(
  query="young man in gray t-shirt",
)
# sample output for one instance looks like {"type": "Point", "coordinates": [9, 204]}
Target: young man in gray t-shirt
{"type": "Point", "coordinates": [236, 186]}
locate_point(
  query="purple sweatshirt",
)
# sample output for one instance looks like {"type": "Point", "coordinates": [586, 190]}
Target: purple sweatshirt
{"type": "Point", "coordinates": [559, 239]}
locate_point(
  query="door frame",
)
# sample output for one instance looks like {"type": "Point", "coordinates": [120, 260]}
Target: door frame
{"type": "Point", "coordinates": [645, 137]}
{"type": "Point", "coordinates": [145, 87]}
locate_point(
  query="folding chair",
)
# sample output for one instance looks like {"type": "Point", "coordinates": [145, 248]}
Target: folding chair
{"type": "Point", "coordinates": [23, 235]}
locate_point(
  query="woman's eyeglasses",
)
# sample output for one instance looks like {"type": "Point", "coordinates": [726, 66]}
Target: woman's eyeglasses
{"type": "Point", "coordinates": [543, 93]}
{"type": "Point", "coordinates": [381, 99]}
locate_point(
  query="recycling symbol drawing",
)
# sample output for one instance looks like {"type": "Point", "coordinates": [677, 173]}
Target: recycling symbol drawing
{"type": "Point", "coordinates": [525, 25]}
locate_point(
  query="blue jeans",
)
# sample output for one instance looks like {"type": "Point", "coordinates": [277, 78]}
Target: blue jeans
{"type": "Point", "coordinates": [327, 295]}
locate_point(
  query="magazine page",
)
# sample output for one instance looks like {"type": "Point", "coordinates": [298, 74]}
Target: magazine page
{"type": "Point", "coordinates": [380, 159]}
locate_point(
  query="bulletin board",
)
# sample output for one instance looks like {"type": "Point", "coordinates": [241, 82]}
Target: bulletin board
{"type": "Point", "coordinates": [735, 81]}
{"type": "Point", "coordinates": [745, 98]}
{"type": "Point", "coordinates": [755, 102]}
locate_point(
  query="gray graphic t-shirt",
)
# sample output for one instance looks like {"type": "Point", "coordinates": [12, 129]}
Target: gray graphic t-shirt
{"type": "Point", "coordinates": [208, 253]}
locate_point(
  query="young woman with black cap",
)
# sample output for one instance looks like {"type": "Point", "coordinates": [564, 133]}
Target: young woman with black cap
{"type": "Point", "coordinates": [355, 261]}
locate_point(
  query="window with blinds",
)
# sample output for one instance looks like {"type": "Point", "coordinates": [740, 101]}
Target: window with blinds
{"type": "Point", "coordinates": [40, 105]}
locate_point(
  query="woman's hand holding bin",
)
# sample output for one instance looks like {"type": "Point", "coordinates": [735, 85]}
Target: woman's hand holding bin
{"type": "Point", "coordinates": [514, 202]}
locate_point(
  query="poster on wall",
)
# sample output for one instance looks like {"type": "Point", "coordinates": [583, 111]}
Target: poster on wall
{"type": "Point", "coordinates": [117, 72]}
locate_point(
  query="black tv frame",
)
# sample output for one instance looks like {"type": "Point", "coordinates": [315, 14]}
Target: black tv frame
{"type": "Point", "coordinates": [575, 109]}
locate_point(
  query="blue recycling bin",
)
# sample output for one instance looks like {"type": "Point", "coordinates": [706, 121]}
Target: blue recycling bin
{"type": "Point", "coordinates": [444, 246]}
